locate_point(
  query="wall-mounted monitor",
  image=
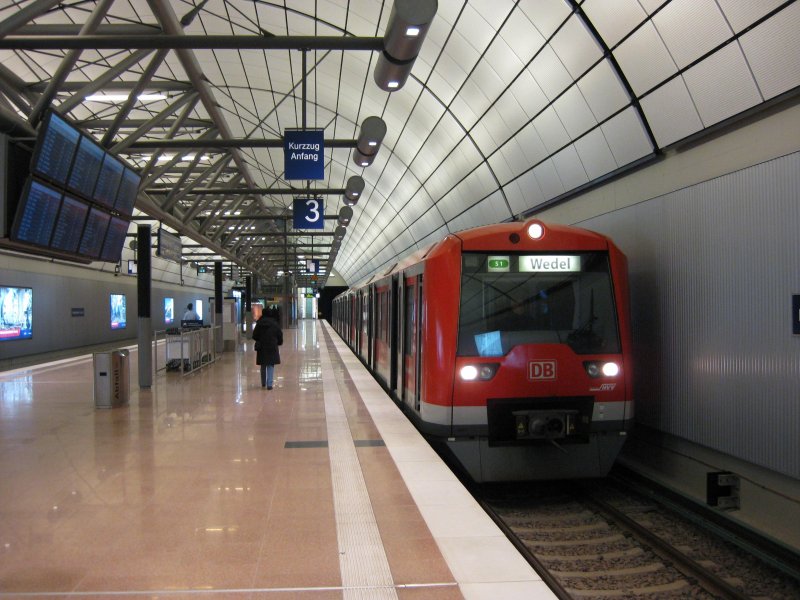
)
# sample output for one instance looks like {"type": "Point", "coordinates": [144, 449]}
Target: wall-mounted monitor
{"type": "Point", "coordinates": [36, 214]}
{"type": "Point", "coordinates": [56, 144]}
{"type": "Point", "coordinates": [69, 225]}
{"type": "Point", "coordinates": [85, 168]}
{"type": "Point", "coordinates": [94, 233]}
{"type": "Point", "coordinates": [128, 190]}
{"type": "Point", "coordinates": [118, 311]}
{"type": "Point", "coordinates": [105, 190]}
{"type": "Point", "coordinates": [169, 310]}
{"type": "Point", "coordinates": [16, 313]}
{"type": "Point", "coordinates": [115, 240]}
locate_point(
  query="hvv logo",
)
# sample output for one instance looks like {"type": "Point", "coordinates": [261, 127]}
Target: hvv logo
{"type": "Point", "coordinates": [542, 370]}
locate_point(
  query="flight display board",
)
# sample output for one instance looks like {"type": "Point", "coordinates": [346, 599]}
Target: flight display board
{"type": "Point", "coordinates": [75, 192]}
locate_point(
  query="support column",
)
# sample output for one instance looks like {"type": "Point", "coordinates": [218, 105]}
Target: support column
{"type": "Point", "coordinates": [218, 337]}
{"type": "Point", "coordinates": [143, 290]}
{"type": "Point", "coordinates": [248, 306]}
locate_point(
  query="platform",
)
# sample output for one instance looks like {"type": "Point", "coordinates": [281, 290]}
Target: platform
{"type": "Point", "coordinates": [210, 486]}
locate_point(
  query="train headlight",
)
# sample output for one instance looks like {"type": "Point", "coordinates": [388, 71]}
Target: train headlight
{"type": "Point", "coordinates": [483, 372]}
{"type": "Point", "coordinates": [597, 369]}
{"type": "Point", "coordinates": [469, 373]}
{"type": "Point", "coordinates": [610, 369]}
{"type": "Point", "coordinates": [535, 231]}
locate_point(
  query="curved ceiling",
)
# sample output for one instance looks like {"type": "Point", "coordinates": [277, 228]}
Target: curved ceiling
{"type": "Point", "coordinates": [511, 106]}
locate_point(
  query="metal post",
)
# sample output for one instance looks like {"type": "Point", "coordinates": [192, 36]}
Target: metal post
{"type": "Point", "coordinates": [248, 308]}
{"type": "Point", "coordinates": [218, 324]}
{"type": "Point", "coordinates": [143, 288]}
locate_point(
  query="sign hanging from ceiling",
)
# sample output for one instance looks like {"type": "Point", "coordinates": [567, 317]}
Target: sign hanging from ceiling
{"type": "Point", "coordinates": [308, 213]}
{"type": "Point", "coordinates": [303, 154]}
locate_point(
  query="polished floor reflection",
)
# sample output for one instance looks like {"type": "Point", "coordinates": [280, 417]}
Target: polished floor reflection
{"type": "Point", "coordinates": [206, 485]}
{"type": "Point", "coordinates": [209, 486]}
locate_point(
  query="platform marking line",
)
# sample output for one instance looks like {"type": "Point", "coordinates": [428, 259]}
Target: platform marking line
{"type": "Point", "coordinates": [362, 558]}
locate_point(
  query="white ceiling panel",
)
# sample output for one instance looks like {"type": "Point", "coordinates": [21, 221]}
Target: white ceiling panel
{"type": "Point", "coordinates": [551, 130]}
{"type": "Point", "coordinates": [773, 52]}
{"type": "Point", "coordinates": [522, 38]}
{"type": "Point", "coordinates": [415, 207]}
{"type": "Point", "coordinates": [570, 169]}
{"type": "Point", "coordinates": [481, 29]}
{"type": "Point", "coordinates": [548, 179]}
{"type": "Point", "coordinates": [614, 19]}
{"type": "Point", "coordinates": [523, 193]}
{"type": "Point", "coordinates": [721, 85]}
{"type": "Point", "coordinates": [511, 114]}
{"type": "Point", "coordinates": [493, 12]}
{"type": "Point", "coordinates": [482, 133]}
{"type": "Point", "coordinates": [508, 162]}
{"type": "Point", "coordinates": [671, 112]}
{"type": "Point", "coordinates": [550, 73]}
{"type": "Point", "coordinates": [741, 15]}
{"type": "Point", "coordinates": [691, 28]}
{"type": "Point", "coordinates": [576, 47]}
{"type": "Point", "coordinates": [528, 93]}
{"type": "Point", "coordinates": [574, 112]}
{"type": "Point", "coordinates": [644, 59]}
{"type": "Point", "coordinates": [603, 91]}
{"type": "Point", "coordinates": [490, 210]}
{"type": "Point", "coordinates": [470, 103]}
{"type": "Point", "coordinates": [546, 15]}
{"type": "Point", "coordinates": [595, 154]}
{"type": "Point", "coordinates": [532, 145]}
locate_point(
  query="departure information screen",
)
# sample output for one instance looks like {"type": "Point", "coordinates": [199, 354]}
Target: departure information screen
{"type": "Point", "coordinates": [69, 225]}
{"type": "Point", "coordinates": [55, 150]}
{"type": "Point", "coordinates": [36, 214]}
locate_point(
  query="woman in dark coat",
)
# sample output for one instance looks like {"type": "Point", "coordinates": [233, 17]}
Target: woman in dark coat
{"type": "Point", "coordinates": [268, 337]}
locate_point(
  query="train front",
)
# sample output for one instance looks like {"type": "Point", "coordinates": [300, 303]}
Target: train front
{"type": "Point", "coordinates": [541, 386]}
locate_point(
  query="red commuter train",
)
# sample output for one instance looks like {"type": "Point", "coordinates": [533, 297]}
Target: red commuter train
{"type": "Point", "coordinates": [508, 343]}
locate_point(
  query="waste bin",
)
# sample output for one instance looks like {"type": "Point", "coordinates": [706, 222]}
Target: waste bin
{"type": "Point", "coordinates": [112, 378]}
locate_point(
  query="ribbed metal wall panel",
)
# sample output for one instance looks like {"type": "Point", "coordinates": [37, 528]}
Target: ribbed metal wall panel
{"type": "Point", "coordinates": [713, 269]}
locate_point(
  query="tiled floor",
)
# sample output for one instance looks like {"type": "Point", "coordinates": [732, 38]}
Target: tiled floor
{"type": "Point", "coordinates": [209, 486]}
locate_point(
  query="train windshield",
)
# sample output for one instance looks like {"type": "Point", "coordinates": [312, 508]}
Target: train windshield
{"type": "Point", "coordinates": [513, 299]}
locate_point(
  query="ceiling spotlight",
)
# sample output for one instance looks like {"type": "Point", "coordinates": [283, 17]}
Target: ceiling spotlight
{"type": "Point", "coordinates": [353, 190]}
{"type": "Point", "coordinates": [408, 24]}
{"type": "Point", "coordinates": [372, 132]}
{"type": "Point", "coordinates": [345, 215]}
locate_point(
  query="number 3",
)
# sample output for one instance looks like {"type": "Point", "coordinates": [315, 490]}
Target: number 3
{"type": "Point", "coordinates": [313, 205]}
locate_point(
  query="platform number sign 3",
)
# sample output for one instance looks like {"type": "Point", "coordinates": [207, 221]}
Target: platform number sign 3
{"type": "Point", "coordinates": [308, 213]}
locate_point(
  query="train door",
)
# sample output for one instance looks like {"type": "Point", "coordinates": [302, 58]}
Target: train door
{"type": "Point", "coordinates": [363, 336]}
{"type": "Point", "coordinates": [391, 327]}
{"type": "Point", "coordinates": [411, 342]}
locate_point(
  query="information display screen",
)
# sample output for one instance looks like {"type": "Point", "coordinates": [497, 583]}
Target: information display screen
{"type": "Point", "coordinates": [115, 240]}
{"type": "Point", "coordinates": [105, 191]}
{"type": "Point", "coordinates": [36, 214]}
{"type": "Point", "coordinates": [128, 189]}
{"type": "Point", "coordinates": [69, 225]}
{"type": "Point", "coordinates": [16, 313]}
{"type": "Point", "coordinates": [85, 168]}
{"type": "Point", "coordinates": [94, 233]}
{"type": "Point", "coordinates": [55, 148]}
{"type": "Point", "coordinates": [119, 311]}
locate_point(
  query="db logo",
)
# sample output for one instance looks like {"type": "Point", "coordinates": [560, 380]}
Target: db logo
{"type": "Point", "coordinates": [542, 370]}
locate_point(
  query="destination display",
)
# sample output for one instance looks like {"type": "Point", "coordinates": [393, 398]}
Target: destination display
{"type": "Point", "coordinates": [105, 190]}
{"type": "Point", "coordinates": [71, 177]}
{"type": "Point", "coordinates": [54, 150]}
{"type": "Point", "coordinates": [69, 225]}
{"type": "Point", "coordinates": [115, 240]}
{"type": "Point", "coordinates": [36, 214]}
{"type": "Point", "coordinates": [85, 168]}
{"type": "Point", "coordinates": [94, 233]}
{"type": "Point", "coordinates": [128, 190]}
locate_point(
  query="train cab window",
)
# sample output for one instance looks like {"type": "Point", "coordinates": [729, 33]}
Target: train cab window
{"type": "Point", "coordinates": [511, 300]}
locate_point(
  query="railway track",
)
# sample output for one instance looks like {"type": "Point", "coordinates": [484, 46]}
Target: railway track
{"type": "Point", "coordinates": [604, 539]}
